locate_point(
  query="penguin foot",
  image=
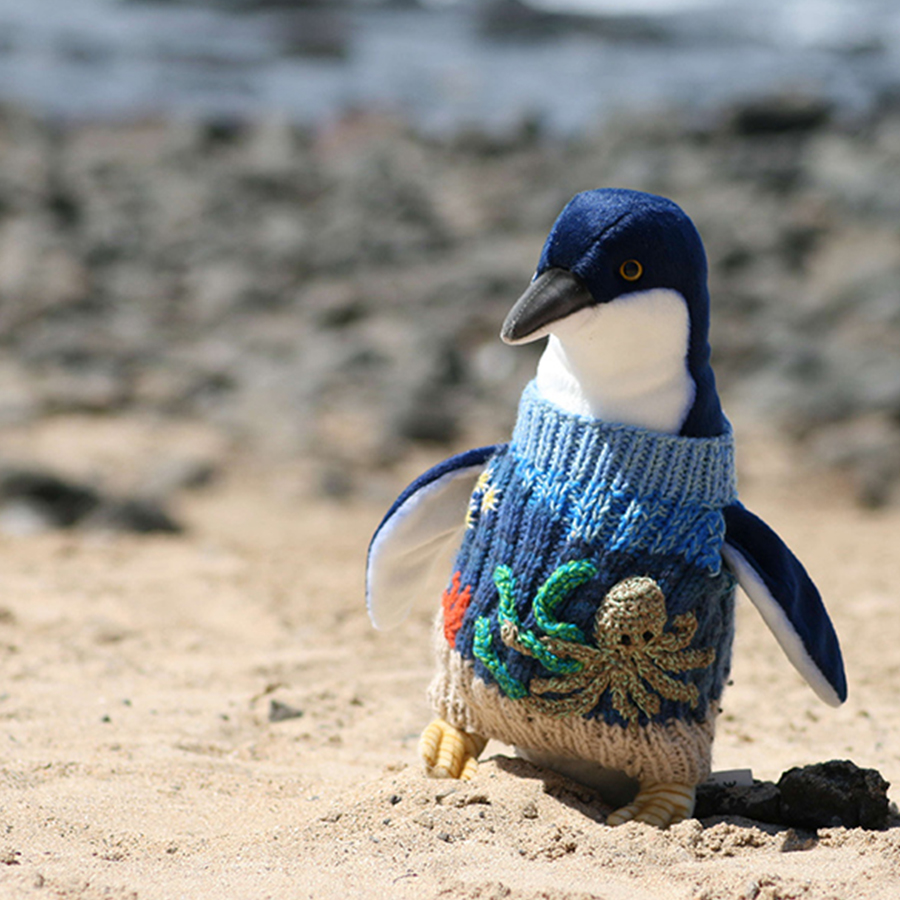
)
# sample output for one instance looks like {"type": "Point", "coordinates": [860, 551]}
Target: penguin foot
{"type": "Point", "coordinates": [449, 752]}
{"type": "Point", "coordinates": [657, 804]}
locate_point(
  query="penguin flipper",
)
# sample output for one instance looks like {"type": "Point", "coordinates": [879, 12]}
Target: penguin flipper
{"type": "Point", "coordinates": [419, 533]}
{"type": "Point", "coordinates": [779, 587]}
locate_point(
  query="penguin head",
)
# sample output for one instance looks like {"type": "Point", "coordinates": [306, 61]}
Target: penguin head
{"type": "Point", "coordinates": [611, 246]}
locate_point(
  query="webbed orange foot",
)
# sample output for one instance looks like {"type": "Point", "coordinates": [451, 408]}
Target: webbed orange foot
{"type": "Point", "coordinates": [449, 752]}
{"type": "Point", "coordinates": [657, 804]}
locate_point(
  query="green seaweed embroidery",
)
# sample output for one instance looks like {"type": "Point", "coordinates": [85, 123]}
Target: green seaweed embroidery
{"type": "Point", "coordinates": [483, 648]}
{"type": "Point", "coordinates": [560, 583]}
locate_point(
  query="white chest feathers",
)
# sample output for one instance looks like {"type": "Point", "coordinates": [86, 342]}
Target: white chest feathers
{"type": "Point", "coordinates": [624, 361]}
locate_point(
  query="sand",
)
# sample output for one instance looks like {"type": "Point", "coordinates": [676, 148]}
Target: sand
{"type": "Point", "coordinates": [139, 674]}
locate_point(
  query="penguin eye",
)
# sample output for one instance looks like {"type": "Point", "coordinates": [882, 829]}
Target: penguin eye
{"type": "Point", "coordinates": [631, 270]}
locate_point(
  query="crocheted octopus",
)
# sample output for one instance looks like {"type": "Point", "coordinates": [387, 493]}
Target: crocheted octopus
{"type": "Point", "coordinates": [630, 648]}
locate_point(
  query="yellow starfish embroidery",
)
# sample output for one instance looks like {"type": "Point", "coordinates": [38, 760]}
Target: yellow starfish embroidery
{"type": "Point", "coordinates": [490, 499]}
{"type": "Point", "coordinates": [485, 498]}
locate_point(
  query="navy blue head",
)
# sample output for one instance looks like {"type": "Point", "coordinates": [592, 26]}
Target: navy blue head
{"type": "Point", "coordinates": [611, 242]}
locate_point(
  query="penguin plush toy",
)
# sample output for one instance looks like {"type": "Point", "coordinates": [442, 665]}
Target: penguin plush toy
{"type": "Point", "coordinates": [588, 566]}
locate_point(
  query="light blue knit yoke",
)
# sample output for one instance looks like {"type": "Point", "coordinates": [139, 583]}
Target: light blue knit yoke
{"type": "Point", "coordinates": [631, 502]}
{"type": "Point", "coordinates": [625, 487]}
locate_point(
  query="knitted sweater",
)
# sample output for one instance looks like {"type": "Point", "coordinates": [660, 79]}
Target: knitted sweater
{"type": "Point", "coordinates": [551, 599]}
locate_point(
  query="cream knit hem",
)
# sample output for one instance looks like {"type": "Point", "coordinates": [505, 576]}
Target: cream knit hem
{"type": "Point", "coordinates": [672, 752]}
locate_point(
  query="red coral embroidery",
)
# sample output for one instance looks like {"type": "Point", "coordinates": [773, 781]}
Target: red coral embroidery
{"type": "Point", "coordinates": [455, 603]}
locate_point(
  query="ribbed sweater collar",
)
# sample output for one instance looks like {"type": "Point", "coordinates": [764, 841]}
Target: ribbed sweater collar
{"type": "Point", "coordinates": [604, 456]}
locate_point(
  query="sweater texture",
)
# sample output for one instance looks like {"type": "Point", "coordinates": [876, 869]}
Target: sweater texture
{"type": "Point", "coordinates": [589, 583]}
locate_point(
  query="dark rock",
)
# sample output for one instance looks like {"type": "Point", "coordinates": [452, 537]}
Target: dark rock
{"type": "Point", "coordinates": [759, 801]}
{"type": "Point", "coordinates": [32, 500]}
{"type": "Point", "coordinates": [505, 19]}
{"type": "Point", "coordinates": [340, 316]}
{"type": "Point", "coordinates": [132, 515]}
{"type": "Point", "coordinates": [825, 795]}
{"type": "Point", "coordinates": [834, 794]}
{"type": "Point", "coordinates": [780, 114]}
{"type": "Point", "coordinates": [219, 130]}
{"type": "Point", "coordinates": [281, 712]}
{"type": "Point", "coordinates": [59, 502]}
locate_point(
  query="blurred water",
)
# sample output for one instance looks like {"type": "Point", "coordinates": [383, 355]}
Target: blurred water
{"type": "Point", "coordinates": [436, 66]}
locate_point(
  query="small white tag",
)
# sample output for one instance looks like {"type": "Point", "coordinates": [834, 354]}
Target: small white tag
{"type": "Point", "coordinates": [732, 778]}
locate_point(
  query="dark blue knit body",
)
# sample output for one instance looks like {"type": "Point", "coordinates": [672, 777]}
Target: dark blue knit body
{"type": "Point", "coordinates": [632, 503]}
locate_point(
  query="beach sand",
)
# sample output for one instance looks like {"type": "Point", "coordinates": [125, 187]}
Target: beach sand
{"type": "Point", "coordinates": [139, 677]}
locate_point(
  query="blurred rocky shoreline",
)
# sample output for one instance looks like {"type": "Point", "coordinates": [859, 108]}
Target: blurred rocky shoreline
{"type": "Point", "coordinates": [335, 294]}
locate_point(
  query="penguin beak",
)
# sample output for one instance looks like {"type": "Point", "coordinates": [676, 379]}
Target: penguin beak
{"type": "Point", "coordinates": [553, 295]}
